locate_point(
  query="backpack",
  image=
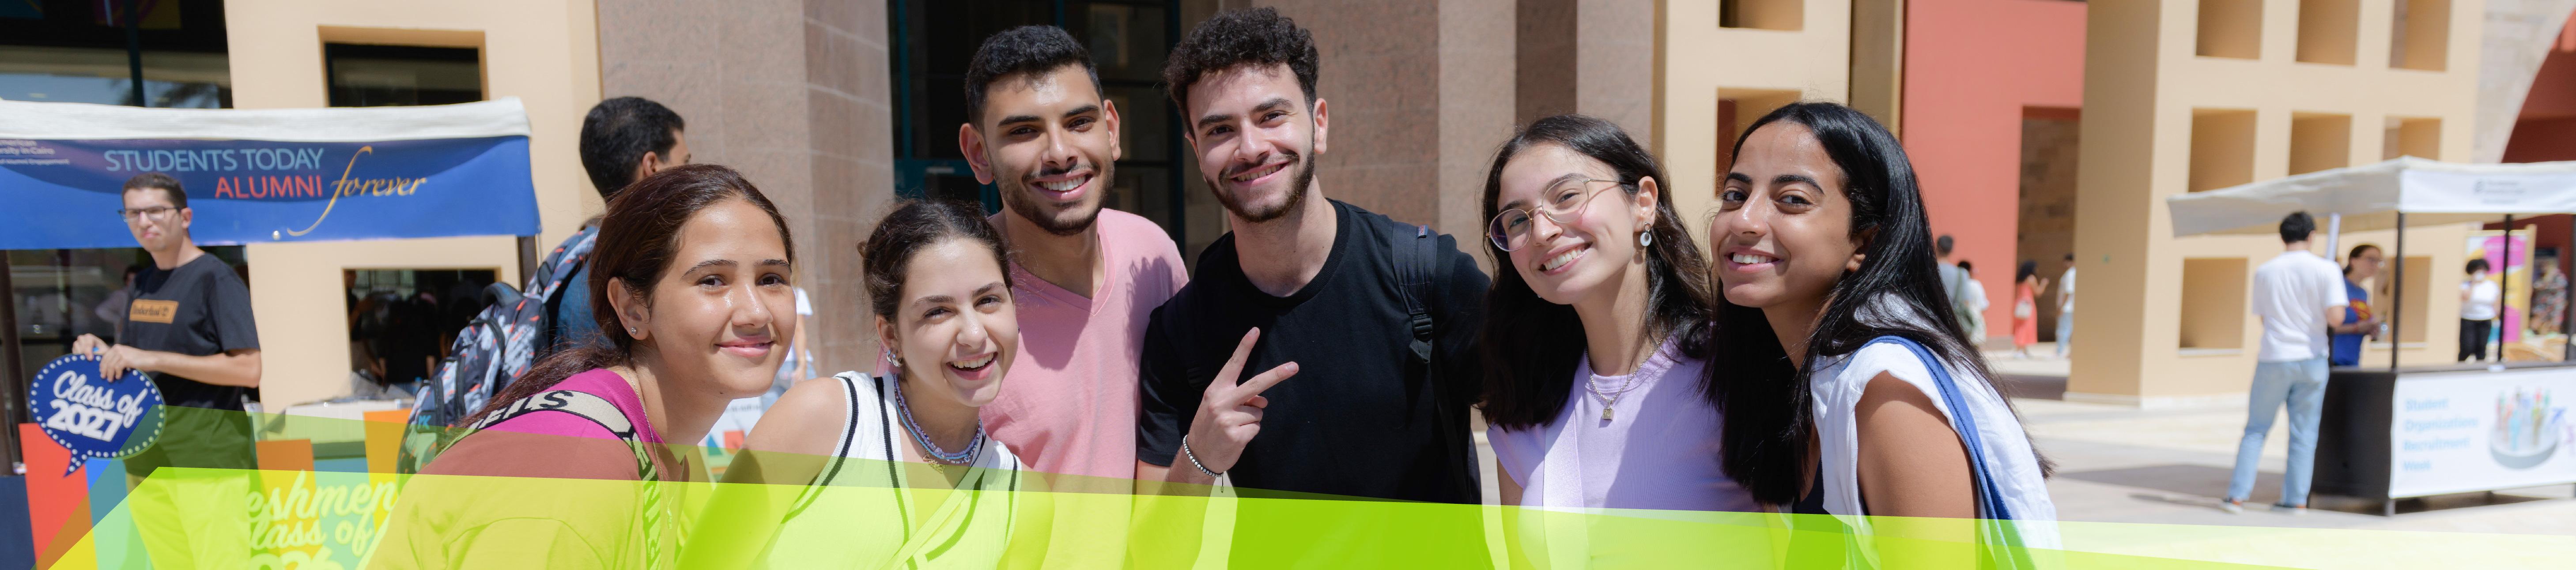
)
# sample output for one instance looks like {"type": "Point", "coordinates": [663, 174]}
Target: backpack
{"type": "Point", "coordinates": [512, 332]}
{"type": "Point", "coordinates": [1418, 272]}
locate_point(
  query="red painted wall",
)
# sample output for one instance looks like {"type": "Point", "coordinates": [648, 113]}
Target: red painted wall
{"type": "Point", "coordinates": [1971, 66]}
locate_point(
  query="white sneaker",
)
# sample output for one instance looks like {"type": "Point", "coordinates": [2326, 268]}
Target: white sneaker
{"type": "Point", "coordinates": [2232, 506]}
{"type": "Point", "coordinates": [2296, 511]}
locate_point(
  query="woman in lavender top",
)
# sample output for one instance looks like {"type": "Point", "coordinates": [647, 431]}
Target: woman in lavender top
{"type": "Point", "coordinates": [1594, 342]}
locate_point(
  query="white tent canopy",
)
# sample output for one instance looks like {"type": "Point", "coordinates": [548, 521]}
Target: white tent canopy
{"type": "Point", "coordinates": [2370, 197]}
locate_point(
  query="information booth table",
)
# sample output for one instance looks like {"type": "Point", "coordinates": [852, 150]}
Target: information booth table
{"type": "Point", "coordinates": [2394, 432]}
{"type": "Point", "coordinates": [2435, 429]}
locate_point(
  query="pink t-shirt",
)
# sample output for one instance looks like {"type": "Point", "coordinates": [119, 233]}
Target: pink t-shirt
{"type": "Point", "coordinates": [1068, 403]}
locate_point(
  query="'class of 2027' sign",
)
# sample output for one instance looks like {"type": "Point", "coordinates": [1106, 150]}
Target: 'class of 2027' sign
{"type": "Point", "coordinates": [93, 417]}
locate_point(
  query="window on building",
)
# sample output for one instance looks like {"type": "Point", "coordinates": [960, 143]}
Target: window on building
{"type": "Point", "coordinates": [2416, 137]}
{"type": "Point", "coordinates": [2420, 34]}
{"type": "Point", "coordinates": [2222, 148]}
{"type": "Point", "coordinates": [381, 75]}
{"type": "Point", "coordinates": [1128, 40]}
{"type": "Point", "coordinates": [401, 321]}
{"type": "Point", "coordinates": [2328, 30]}
{"type": "Point", "coordinates": [2213, 303]}
{"type": "Point", "coordinates": [2320, 141]}
{"type": "Point", "coordinates": [1762, 14]}
{"type": "Point", "coordinates": [61, 51]}
{"type": "Point", "coordinates": [2231, 28]}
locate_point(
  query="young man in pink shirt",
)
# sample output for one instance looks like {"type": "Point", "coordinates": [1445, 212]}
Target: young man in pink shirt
{"type": "Point", "coordinates": [1086, 277]}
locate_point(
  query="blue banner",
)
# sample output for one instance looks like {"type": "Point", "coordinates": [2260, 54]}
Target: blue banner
{"type": "Point", "coordinates": [65, 193]}
{"type": "Point", "coordinates": [91, 416]}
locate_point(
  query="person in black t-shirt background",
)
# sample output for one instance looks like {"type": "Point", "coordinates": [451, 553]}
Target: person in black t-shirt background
{"type": "Point", "coordinates": [189, 324]}
{"type": "Point", "coordinates": [1286, 363]}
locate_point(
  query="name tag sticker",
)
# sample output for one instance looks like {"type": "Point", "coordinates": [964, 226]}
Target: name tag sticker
{"type": "Point", "coordinates": [153, 310]}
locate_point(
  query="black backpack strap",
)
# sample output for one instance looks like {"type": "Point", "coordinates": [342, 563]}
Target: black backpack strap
{"type": "Point", "coordinates": [1419, 273]}
{"type": "Point", "coordinates": [1416, 262]}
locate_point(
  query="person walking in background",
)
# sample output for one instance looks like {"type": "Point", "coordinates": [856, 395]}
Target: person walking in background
{"type": "Point", "coordinates": [1847, 389]}
{"type": "Point", "coordinates": [2295, 295]}
{"type": "Point", "coordinates": [622, 140]}
{"type": "Point", "coordinates": [188, 322]}
{"type": "Point", "coordinates": [2358, 320]}
{"type": "Point", "coordinates": [1953, 282]}
{"type": "Point", "coordinates": [2066, 308]}
{"type": "Point", "coordinates": [2025, 313]}
{"type": "Point", "coordinates": [1973, 302]}
{"type": "Point", "coordinates": [1598, 339]}
{"type": "Point", "coordinates": [2479, 298]}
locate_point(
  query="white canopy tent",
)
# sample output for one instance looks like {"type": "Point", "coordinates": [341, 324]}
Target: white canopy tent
{"type": "Point", "coordinates": [2383, 196]}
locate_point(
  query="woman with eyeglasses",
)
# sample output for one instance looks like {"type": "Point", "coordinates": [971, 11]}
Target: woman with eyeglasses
{"type": "Point", "coordinates": [1595, 339]}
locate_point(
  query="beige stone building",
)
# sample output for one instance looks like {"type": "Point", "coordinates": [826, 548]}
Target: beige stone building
{"type": "Point", "coordinates": [837, 108]}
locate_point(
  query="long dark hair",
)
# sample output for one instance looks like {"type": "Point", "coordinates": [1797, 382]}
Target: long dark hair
{"type": "Point", "coordinates": [888, 253]}
{"type": "Point", "coordinates": [636, 241]}
{"type": "Point", "coordinates": [1529, 345]}
{"type": "Point", "coordinates": [1762, 394]}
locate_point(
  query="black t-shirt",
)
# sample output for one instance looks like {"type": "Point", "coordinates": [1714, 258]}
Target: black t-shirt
{"type": "Point", "coordinates": [198, 309]}
{"type": "Point", "coordinates": [1360, 418]}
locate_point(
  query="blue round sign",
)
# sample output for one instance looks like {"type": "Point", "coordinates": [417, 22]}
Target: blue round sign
{"type": "Point", "coordinates": [92, 416]}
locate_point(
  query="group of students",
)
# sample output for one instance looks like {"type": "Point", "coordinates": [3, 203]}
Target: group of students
{"type": "Point", "coordinates": [1810, 364]}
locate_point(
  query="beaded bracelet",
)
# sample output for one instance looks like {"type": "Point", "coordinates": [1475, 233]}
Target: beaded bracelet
{"type": "Point", "coordinates": [1194, 458]}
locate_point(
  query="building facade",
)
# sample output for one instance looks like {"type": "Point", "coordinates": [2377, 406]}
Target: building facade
{"type": "Point", "coordinates": [2038, 127]}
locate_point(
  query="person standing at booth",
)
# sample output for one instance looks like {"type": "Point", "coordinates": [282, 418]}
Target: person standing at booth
{"type": "Point", "coordinates": [2358, 320]}
{"type": "Point", "coordinates": [2479, 299]}
{"type": "Point", "coordinates": [2295, 294]}
{"type": "Point", "coordinates": [189, 324]}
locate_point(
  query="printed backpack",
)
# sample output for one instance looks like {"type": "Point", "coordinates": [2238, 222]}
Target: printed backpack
{"type": "Point", "coordinates": [513, 331]}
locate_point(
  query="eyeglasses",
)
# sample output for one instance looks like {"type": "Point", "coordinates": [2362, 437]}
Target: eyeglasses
{"type": "Point", "coordinates": [155, 213]}
{"type": "Point", "coordinates": [1510, 229]}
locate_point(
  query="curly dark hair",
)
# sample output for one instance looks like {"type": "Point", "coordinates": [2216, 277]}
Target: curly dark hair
{"type": "Point", "coordinates": [1257, 36]}
{"type": "Point", "coordinates": [1025, 49]}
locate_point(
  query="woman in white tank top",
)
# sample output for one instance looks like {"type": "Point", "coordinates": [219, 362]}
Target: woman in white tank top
{"type": "Point", "coordinates": [894, 470]}
{"type": "Point", "coordinates": [1849, 389]}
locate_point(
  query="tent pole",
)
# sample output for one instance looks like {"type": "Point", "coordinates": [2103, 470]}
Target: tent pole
{"type": "Point", "coordinates": [2566, 253]}
{"type": "Point", "coordinates": [10, 401]}
{"type": "Point", "coordinates": [2504, 270]}
{"type": "Point", "coordinates": [2397, 297]}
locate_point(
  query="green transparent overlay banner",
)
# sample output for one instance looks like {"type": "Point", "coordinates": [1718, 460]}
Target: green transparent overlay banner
{"type": "Point", "coordinates": [322, 520]}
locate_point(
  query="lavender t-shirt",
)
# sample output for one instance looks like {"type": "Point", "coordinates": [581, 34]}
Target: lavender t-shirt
{"type": "Point", "coordinates": [1658, 451]}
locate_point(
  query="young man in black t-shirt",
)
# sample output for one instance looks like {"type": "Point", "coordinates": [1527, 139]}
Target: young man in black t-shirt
{"type": "Point", "coordinates": [1286, 362]}
{"type": "Point", "coordinates": [188, 324]}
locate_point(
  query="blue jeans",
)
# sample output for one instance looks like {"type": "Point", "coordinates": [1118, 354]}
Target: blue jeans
{"type": "Point", "coordinates": [2302, 385]}
{"type": "Point", "coordinates": [2065, 332]}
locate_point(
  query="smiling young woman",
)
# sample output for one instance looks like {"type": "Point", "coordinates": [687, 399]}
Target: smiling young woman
{"type": "Point", "coordinates": [1851, 389]}
{"type": "Point", "coordinates": [693, 267]}
{"type": "Point", "coordinates": [897, 468]}
{"type": "Point", "coordinates": [1596, 339]}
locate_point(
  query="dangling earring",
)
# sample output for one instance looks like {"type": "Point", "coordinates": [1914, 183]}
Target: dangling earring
{"type": "Point", "coordinates": [890, 357]}
{"type": "Point", "coordinates": [1645, 239]}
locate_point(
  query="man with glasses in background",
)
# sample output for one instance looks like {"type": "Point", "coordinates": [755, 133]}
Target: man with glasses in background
{"type": "Point", "coordinates": [188, 323]}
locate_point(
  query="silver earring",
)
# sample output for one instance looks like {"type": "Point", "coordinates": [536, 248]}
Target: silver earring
{"type": "Point", "coordinates": [630, 331]}
{"type": "Point", "coordinates": [1645, 239]}
{"type": "Point", "coordinates": [890, 357]}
